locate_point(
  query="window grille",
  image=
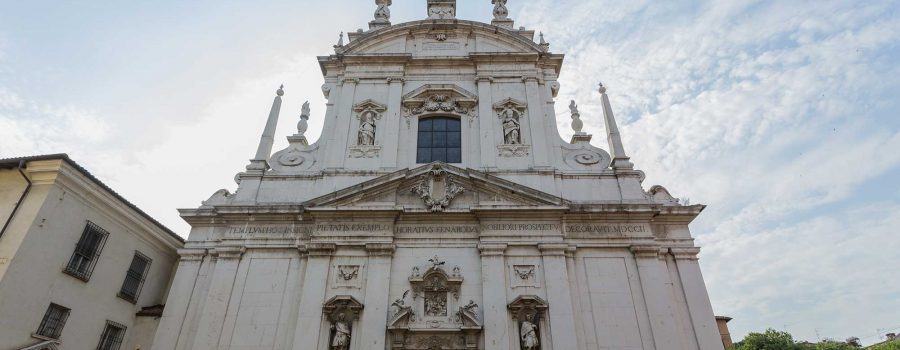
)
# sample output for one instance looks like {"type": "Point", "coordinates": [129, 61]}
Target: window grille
{"type": "Point", "coordinates": [53, 322]}
{"type": "Point", "coordinates": [87, 252]}
{"type": "Point", "coordinates": [134, 277]}
{"type": "Point", "coordinates": [439, 140]}
{"type": "Point", "coordinates": [112, 336]}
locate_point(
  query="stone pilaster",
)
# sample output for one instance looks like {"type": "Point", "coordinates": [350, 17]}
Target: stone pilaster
{"type": "Point", "coordinates": [212, 316]}
{"type": "Point", "coordinates": [699, 306]}
{"type": "Point", "coordinates": [559, 296]}
{"type": "Point", "coordinates": [493, 281]}
{"type": "Point", "coordinates": [172, 321]}
{"type": "Point", "coordinates": [392, 123]}
{"type": "Point", "coordinates": [656, 287]}
{"type": "Point", "coordinates": [377, 299]}
{"type": "Point", "coordinates": [315, 281]}
{"type": "Point", "coordinates": [536, 122]}
{"type": "Point", "coordinates": [576, 300]}
{"type": "Point", "coordinates": [486, 122]}
{"type": "Point", "coordinates": [344, 113]}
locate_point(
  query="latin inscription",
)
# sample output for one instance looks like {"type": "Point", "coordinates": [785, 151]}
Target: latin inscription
{"type": "Point", "coordinates": [438, 229]}
{"type": "Point", "coordinates": [352, 227]}
{"type": "Point", "coordinates": [440, 46]}
{"type": "Point", "coordinates": [520, 227]}
{"type": "Point", "coordinates": [602, 229]}
{"type": "Point", "coordinates": [250, 230]}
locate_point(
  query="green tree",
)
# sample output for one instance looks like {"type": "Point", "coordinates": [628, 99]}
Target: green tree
{"type": "Point", "coordinates": [833, 345]}
{"type": "Point", "coordinates": [894, 345]}
{"type": "Point", "coordinates": [769, 340]}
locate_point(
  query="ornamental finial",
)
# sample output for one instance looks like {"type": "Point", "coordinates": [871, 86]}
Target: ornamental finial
{"type": "Point", "coordinates": [602, 88]}
{"type": "Point", "coordinates": [280, 91]}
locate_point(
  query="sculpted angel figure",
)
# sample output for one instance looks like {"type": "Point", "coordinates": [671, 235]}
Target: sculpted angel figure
{"type": "Point", "coordinates": [341, 329]}
{"type": "Point", "coordinates": [511, 128]}
{"type": "Point", "coordinates": [529, 334]}
{"type": "Point", "coordinates": [399, 304]}
{"type": "Point", "coordinates": [366, 130]}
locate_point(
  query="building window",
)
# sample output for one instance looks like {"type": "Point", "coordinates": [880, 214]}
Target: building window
{"type": "Point", "coordinates": [112, 336]}
{"type": "Point", "coordinates": [53, 322]}
{"type": "Point", "coordinates": [439, 140]}
{"type": "Point", "coordinates": [87, 252]}
{"type": "Point", "coordinates": [134, 277]}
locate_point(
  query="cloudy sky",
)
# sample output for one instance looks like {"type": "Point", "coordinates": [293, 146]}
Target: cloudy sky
{"type": "Point", "coordinates": [782, 116]}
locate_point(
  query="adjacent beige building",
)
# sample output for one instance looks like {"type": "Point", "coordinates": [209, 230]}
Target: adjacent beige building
{"type": "Point", "coordinates": [77, 261]}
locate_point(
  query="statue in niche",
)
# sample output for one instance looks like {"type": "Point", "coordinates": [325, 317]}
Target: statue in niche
{"type": "Point", "coordinates": [366, 136]}
{"type": "Point", "coordinates": [511, 129]}
{"type": "Point", "coordinates": [383, 12]}
{"type": "Point", "coordinates": [529, 334]}
{"type": "Point", "coordinates": [341, 340]}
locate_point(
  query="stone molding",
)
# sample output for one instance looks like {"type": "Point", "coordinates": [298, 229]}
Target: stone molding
{"type": "Point", "coordinates": [527, 304]}
{"type": "Point", "coordinates": [685, 253]}
{"type": "Point", "coordinates": [192, 254]}
{"type": "Point", "coordinates": [647, 251]}
{"type": "Point", "coordinates": [228, 252]}
{"type": "Point", "coordinates": [321, 249]}
{"type": "Point", "coordinates": [380, 249]}
{"type": "Point", "coordinates": [342, 304]}
{"type": "Point", "coordinates": [553, 249]}
{"type": "Point", "coordinates": [492, 249]}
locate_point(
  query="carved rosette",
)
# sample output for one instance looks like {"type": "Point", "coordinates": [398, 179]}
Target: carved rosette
{"type": "Point", "coordinates": [437, 189]}
{"type": "Point", "coordinates": [440, 100]}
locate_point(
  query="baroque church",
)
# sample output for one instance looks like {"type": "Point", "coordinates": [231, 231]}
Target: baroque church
{"type": "Point", "coordinates": [440, 210]}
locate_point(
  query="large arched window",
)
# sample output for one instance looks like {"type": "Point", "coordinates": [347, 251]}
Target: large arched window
{"type": "Point", "coordinates": [439, 140]}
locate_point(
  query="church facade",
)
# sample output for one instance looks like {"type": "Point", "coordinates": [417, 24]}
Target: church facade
{"type": "Point", "coordinates": [440, 210]}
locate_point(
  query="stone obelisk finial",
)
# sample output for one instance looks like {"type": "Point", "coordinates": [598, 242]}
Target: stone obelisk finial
{"type": "Point", "coordinates": [577, 125]}
{"type": "Point", "coordinates": [617, 150]}
{"type": "Point", "coordinates": [260, 161]}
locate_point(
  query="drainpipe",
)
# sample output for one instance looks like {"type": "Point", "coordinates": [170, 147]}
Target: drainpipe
{"type": "Point", "coordinates": [21, 199]}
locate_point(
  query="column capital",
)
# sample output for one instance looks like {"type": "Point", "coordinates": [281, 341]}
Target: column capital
{"type": "Point", "coordinates": [349, 81]}
{"type": "Point", "coordinates": [570, 251]}
{"type": "Point", "coordinates": [395, 80]}
{"type": "Point", "coordinates": [492, 249]}
{"type": "Point", "coordinates": [553, 249]}
{"type": "Point", "coordinates": [188, 254]}
{"type": "Point", "coordinates": [530, 79]}
{"type": "Point", "coordinates": [228, 252]}
{"type": "Point", "coordinates": [321, 249]}
{"type": "Point", "coordinates": [686, 253]}
{"type": "Point", "coordinates": [647, 251]}
{"type": "Point", "coordinates": [380, 249]}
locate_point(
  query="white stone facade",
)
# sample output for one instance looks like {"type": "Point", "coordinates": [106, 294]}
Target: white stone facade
{"type": "Point", "coordinates": [36, 246]}
{"type": "Point", "coordinates": [529, 242]}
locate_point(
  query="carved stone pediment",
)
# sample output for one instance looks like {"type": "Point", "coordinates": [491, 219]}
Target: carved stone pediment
{"type": "Point", "coordinates": [416, 191]}
{"type": "Point", "coordinates": [439, 99]}
{"type": "Point", "coordinates": [342, 305]}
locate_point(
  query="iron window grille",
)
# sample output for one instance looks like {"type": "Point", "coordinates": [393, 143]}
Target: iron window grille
{"type": "Point", "coordinates": [53, 321]}
{"type": "Point", "coordinates": [87, 252]}
{"type": "Point", "coordinates": [439, 140]}
{"type": "Point", "coordinates": [134, 277]}
{"type": "Point", "coordinates": [112, 336]}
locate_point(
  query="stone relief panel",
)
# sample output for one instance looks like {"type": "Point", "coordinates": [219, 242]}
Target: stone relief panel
{"type": "Point", "coordinates": [511, 113]}
{"type": "Point", "coordinates": [524, 276]}
{"type": "Point", "coordinates": [368, 113]}
{"type": "Point", "coordinates": [347, 276]}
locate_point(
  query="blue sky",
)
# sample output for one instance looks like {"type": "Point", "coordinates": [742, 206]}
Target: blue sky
{"type": "Point", "coordinates": [782, 116]}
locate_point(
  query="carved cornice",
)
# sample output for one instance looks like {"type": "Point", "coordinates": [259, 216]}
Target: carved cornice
{"type": "Point", "coordinates": [321, 249]}
{"type": "Point", "coordinates": [492, 249]}
{"type": "Point", "coordinates": [647, 251]}
{"type": "Point", "coordinates": [192, 254]}
{"type": "Point", "coordinates": [687, 253]}
{"type": "Point", "coordinates": [553, 249]}
{"type": "Point", "coordinates": [342, 305]}
{"type": "Point", "coordinates": [228, 252]}
{"type": "Point", "coordinates": [380, 249]}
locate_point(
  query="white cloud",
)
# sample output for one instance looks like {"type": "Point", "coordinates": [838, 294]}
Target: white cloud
{"type": "Point", "coordinates": [767, 111]}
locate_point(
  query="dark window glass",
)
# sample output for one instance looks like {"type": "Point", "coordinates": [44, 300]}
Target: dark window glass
{"type": "Point", "coordinates": [439, 140]}
{"type": "Point", "coordinates": [134, 277]}
{"type": "Point", "coordinates": [87, 251]}
{"type": "Point", "coordinates": [112, 336]}
{"type": "Point", "coordinates": [53, 322]}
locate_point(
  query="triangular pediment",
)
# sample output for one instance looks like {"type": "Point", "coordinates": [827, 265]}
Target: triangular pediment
{"type": "Point", "coordinates": [436, 187]}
